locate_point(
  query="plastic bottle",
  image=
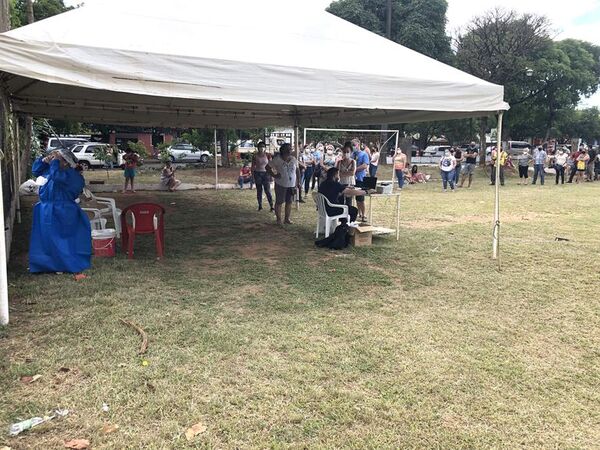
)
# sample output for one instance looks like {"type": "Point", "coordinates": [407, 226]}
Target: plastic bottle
{"type": "Point", "coordinates": [19, 427]}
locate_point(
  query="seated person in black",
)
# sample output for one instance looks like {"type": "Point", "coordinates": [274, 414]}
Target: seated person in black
{"type": "Point", "coordinates": [335, 192]}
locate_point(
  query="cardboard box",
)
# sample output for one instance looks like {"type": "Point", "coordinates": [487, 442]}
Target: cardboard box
{"type": "Point", "coordinates": [361, 236]}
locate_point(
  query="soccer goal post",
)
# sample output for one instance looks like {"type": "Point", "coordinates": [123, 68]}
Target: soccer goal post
{"type": "Point", "coordinates": [395, 135]}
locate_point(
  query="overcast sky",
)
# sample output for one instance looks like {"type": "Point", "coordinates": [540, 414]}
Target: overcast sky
{"type": "Point", "coordinates": [578, 19]}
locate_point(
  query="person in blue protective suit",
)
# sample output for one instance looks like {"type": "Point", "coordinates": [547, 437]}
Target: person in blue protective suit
{"type": "Point", "coordinates": [61, 233]}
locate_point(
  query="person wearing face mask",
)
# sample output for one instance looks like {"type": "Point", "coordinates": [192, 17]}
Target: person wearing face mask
{"type": "Point", "coordinates": [347, 169]}
{"type": "Point", "coordinates": [362, 165]}
{"type": "Point", "coordinates": [581, 165]}
{"type": "Point", "coordinates": [589, 173]}
{"type": "Point", "coordinates": [307, 168]}
{"type": "Point", "coordinates": [501, 159]}
{"type": "Point", "coordinates": [374, 161]}
{"type": "Point", "coordinates": [328, 162]}
{"type": "Point", "coordinates": [284, 169]}
{"type": "Point", "coordinates": [447, 166]}
{"type": "Point", "coordinates": [470, 164]}
{"type": "Point", "coordinates": [261, 178]}
{"type": "Point", "coordinates": [61, 236]}
{"type": "Point", "coordinates": [560, 163]}
{"type": "Point", "coordinates": [399, 166]}
{"type": "Point", "coordinates": [523, 163]}
{"type": "Point", "coordinates": [355, 148]}
{"type": "Point", "coordinates": [318, 158]}
{"type": "Point", "coordinates": [539, 161]}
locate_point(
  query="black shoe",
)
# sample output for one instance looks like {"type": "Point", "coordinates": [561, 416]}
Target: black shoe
{"type": "Point", "coordinates": [301, 201]}
{"type": "Point", "coordinates": [260, 208]}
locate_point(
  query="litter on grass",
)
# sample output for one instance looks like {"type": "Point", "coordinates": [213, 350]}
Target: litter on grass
{"type": "Point", "coordinates": [19, 427]}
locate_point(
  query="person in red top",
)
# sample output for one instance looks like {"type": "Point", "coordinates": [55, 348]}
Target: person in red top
{"type": "Point", "coordinates": [245, 176]}
{"type": "Point", "coordinates": [572, 162]}
{"type": "Point", "coordinates": [131, 162]}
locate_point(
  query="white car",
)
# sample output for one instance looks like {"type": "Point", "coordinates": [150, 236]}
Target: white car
{"type": "Point", "coordinates": [436, 150]}
{"type": "Point", "coordinates": [184, 152]}
{"type": "Point", "coordinates": [68, 142]}
{"type": "Point", "coordinates": [85, 155]}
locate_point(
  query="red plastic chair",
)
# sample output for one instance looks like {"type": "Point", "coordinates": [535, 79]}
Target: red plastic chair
{"type": "Point", "coordinates": [146, 218]}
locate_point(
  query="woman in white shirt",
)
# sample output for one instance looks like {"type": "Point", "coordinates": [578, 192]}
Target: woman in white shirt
{"type": "Point", "coordinates": [447, 166]}
{"type": "Point", "coordinates": [374, 162]}
{"type": "Point", "coordinates": [560, 163]}
{"type": "Point", "coordinates": [347, 170]}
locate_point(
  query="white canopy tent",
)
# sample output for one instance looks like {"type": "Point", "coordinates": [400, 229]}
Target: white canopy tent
{"type": "Point", "coordinates": [228, 63]}
{"type": "Point", "coordinates": [231, 63]}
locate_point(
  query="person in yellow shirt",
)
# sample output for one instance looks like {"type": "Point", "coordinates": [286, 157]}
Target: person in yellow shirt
{"type": "Point", "coordinates": [503, 161]}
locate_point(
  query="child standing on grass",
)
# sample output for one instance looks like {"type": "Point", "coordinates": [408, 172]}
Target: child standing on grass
{"type": "Point", "coordinates": [131, 162]}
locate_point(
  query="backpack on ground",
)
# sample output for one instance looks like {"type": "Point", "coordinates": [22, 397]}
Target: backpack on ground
{"type": "Point", "coordinates": [338, 240]}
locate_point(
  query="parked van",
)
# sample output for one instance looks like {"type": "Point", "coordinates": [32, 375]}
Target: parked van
{"type": "Point", "coordinates": [514, 148]}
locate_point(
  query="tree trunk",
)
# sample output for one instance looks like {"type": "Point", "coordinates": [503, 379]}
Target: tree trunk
{"type": "Point", "coordinates": [482, 143]}
{"type": "Point", "coordinates": [222, 138]}
{"type": "Point", "coordinates": [550, 123]}
{"type": "Point", "coordinates": [30, 16]}
{"type": "Point", "coordinates": [4, 16]}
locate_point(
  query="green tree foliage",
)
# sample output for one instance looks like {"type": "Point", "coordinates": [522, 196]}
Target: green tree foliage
{"type": "Point", "coordinates": [42, 9]}
{"type": "Point", "coordinates": [579, 123]}
{"type": "Point", "coordinates": [139, 148]}
{"type": "Point", "coordinates": [106, 154]}
{"type": "Point", "coordinates": [417, 24]}
{"type": "Point", "coordinates": [502, 47]}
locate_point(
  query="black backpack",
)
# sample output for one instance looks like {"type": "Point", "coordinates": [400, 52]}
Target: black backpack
{"type": "Point", "coordinates": [338, 240]}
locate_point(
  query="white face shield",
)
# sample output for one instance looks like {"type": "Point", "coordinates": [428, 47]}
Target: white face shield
{"type": "Point", "coordinates": [69, 157]}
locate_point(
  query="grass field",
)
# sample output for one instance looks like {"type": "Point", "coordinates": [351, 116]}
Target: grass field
{"type": "Point", "coordinates": [272, 343]}
{"type": "Point", "coordinates": [148, 174]}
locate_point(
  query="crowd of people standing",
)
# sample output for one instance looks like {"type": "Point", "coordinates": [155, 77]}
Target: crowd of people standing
{"type": "Point", "coordinates": [579, 166]}
{"type": "Point", "coordinates": [582, 165]}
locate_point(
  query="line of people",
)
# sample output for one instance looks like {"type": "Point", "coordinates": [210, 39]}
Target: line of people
{"type": "Point", "coordinates": [353, 162]}
{"type": "Point", "coordinates": [579, 166]}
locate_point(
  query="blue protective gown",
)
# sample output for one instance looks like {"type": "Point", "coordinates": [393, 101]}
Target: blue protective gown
{"type": "Point", "coordinates": [60, 235]}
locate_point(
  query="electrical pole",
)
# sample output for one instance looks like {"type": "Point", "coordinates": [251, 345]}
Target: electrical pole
{"type": "Point", "coordinates": [388, 20]}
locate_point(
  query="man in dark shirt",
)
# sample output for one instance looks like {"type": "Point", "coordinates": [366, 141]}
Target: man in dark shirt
{"type": "Point", "coordinates": [470, 164]}
{"type": "Point", "coordinates": [334, 191]}
{"type": "Point", "coordinates": [589, 171]}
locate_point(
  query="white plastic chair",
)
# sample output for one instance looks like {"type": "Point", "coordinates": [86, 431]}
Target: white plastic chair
{"type": "Point", "coordinates": [97, 222]}
{"type": "Point", "coordinates": [323, 218]}
{"type": "Point", "coordinates": [110, 209]}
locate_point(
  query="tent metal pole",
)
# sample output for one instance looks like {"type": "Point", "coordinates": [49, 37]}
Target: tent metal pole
{"type": "Point", "coordinates": [394, 177]}
{"type": "Point", "coordinates": [304, 141]}
{"type": "Point", "coordinates": [496, 232]}
{"type": "Point", "coordinates": [216, 163]}
{"type": "Point", "coordinates": [297, 144]}
{"type": "Point", "coordinates": [3, 263]}
{"type": "Point", "coordinates": [17, 172]}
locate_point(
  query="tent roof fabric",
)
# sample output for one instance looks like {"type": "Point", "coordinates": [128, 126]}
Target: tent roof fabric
{"type": "Point", "coordinates": [231, 63]}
